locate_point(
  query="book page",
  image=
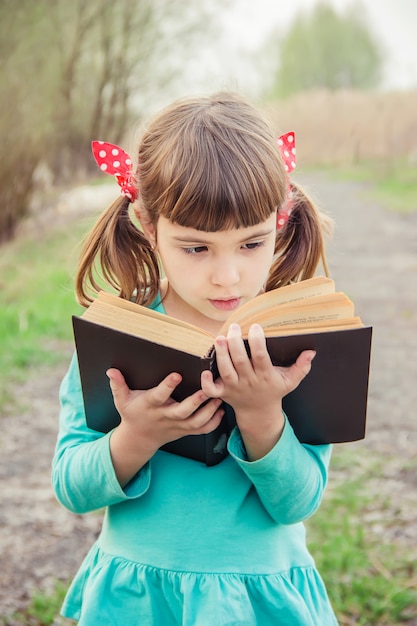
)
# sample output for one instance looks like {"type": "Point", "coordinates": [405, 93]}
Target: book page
{"type": "Point", "coordinates": [113, 300]}
{"type": "Point", "coordinates": [313, 287]}
{"type": "Point", "coordinates": [321, 308]}
{"type": "Point", "coordinates": [314, 327]}
{"type": "Point", "coordinates": [293, 309]}
{"type": "Point", "coordinates": [187, 339]}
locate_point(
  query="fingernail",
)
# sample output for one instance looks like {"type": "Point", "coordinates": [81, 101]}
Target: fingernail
{"type": "Point", "coordinates": [234, 329]}
{"type": "Point", "coordinates": [221, 340]}
{"type": "Point", "coordinates": [311, 356]}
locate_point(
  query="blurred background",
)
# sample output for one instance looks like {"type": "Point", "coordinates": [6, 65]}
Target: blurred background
{"type": "Point", "coordinates": [343, 75]}
{"type": "Point", "coordinates": [72, 72]}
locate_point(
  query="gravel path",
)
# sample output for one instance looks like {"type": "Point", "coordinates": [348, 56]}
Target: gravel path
{"type": "Point", "coordinates": [373, 257]}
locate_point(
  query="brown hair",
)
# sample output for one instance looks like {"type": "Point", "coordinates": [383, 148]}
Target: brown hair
{"type": "Point", "coordinates": [209, 163]}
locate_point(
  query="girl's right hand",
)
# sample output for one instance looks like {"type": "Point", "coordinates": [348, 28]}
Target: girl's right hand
{"type": "Point", "coordinates": [150, 418]}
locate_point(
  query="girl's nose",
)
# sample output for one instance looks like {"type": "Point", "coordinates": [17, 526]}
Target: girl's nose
{"type": "Point", "coordinates": [225, 273]}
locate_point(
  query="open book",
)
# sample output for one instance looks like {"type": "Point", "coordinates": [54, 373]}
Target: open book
{"type": "Point", "coordinates": [329, 406]}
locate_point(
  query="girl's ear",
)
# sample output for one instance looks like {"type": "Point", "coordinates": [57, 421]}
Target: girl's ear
{"type": "Point", "coordinates": [148, 228]}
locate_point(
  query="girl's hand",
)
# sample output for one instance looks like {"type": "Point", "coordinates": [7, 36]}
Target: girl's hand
{"type": "Point", "coordinates": [150, 418]}
{"type": "Point", "coordinates": [254, 387]}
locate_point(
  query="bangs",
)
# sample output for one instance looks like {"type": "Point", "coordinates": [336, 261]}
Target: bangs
{"type": "Point", "coordinates": [220, 169]}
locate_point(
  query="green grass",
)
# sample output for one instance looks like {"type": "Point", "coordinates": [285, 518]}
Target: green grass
{"type": "Point", "coordinates": [392, 184]}
{"type": "Point", "coordinates": [370, 581]}
{"type": "Point", "coordinates": [44, 608]}
{"type": "Point", "coordinates": [36, 301]}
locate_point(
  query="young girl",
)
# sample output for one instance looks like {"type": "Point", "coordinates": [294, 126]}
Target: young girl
{"type": "Point", "coordinates": [183, 543]}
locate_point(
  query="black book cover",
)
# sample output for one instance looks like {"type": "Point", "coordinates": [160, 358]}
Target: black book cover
{"type": "Point", "coordinates": [329, 406]}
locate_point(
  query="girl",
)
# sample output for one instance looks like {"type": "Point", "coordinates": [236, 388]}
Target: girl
{"type": "Point", "coordinates": [182, 543]}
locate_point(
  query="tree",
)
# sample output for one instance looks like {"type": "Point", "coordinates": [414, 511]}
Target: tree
{"type": "Point", "coordinates": [25, 106]}
{"type": "Point", "coordinates": [74, 71]}
{"type": "Point", "coordinates": [325, 49]}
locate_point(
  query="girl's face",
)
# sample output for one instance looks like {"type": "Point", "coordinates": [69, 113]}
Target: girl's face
{"type": "Point", "coordinates": [210, 274]}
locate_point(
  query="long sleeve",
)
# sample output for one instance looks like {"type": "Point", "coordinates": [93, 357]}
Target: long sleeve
{"type": "Point", "coordinates": [83, 476]}
{"type": "Point", "coordinates": [290, 480]}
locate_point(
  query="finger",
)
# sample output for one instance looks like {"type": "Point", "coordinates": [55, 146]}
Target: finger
{"type": "Point", "coordinates": [237, 348]}
{"type": "Point", "coordinates": [159, 395]}
{"type": "Point", "coordinates": [211, 423]}
{"type": "Point", "coordinates": [204, 416]}
{"type": "Point", "coordinates": [118, 386]}
{"type": "Point", "coordinates": [187, 407]}
{"type": "Point", "coordinates": [299, 370]}
{"type": "Point", "coordinates": [232, 358]}
{"type": "Point", "coordinates": [212, 388]}
{"type": "Point", "coordinates": [223, 360]}
{"type": "Point", "coordinates": [259, 352]}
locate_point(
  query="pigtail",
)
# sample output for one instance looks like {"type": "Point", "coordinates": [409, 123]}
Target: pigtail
{"type": "Point", "coordinates": [300, 246]}
{"type": "Point", "coordinates": [119, 254]}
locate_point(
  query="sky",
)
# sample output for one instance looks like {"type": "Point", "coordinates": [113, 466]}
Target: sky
{"type": "Point", "coordinates": [246, 25]}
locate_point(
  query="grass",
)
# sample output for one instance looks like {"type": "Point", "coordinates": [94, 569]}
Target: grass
{"type": "Point", "coordinates": [369, 581]}
{"type": "Point", "coordinates": [36, 301]}
{"type": "Point", "coordinates": [392, 184]}
{"type": "Point", "coordinates": [44, 608]}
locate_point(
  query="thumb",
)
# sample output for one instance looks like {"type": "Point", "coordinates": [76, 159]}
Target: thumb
{"type": "Point", "coordinates": [299, 370]}
{"type": "Point", "coordinates": [302, 366]}
{"type": "Point", "coordinates": [118, 386]}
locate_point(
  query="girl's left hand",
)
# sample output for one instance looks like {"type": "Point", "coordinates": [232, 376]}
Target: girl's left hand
{"type": "Point", "coordinates": [254, 387]}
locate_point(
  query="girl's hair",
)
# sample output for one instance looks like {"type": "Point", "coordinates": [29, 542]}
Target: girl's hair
{"type": "Point", "coordinates": [209, 163]}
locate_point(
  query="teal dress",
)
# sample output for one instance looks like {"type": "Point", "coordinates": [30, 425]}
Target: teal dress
{"type": "Point", "coordinates": [184, 544]}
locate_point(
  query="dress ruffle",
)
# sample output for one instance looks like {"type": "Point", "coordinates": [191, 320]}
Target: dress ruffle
{"type": "Point", "coordinates": [108, 589]}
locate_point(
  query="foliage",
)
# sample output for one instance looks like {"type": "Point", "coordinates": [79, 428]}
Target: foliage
{"type": "Point", "coordinates": [24, 108]}
{"type": "Point", "coordinates": [352, 127]}
{"type": "Point", "coordinates": [44, 607]}
{"type": "Point", "coordinates": [370, 580]}
{"type": "Point", "coordinates": [325, 49]}
{"type": "Point", "coordinates": [76, 71]}
{"type": "Point", "coordinates": [393, 185]}
{"type": "Point", "coordinates": [36, 302]}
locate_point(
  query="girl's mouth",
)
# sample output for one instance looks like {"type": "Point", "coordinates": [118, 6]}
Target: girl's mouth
{"type": "Point", "coordinates": [226, 304]}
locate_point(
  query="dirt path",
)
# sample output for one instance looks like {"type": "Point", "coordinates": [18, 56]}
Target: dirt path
{"type": "Point", "coordinates": [373, 258]}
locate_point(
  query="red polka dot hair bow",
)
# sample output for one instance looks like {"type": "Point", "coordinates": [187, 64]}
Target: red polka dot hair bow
{"type": "Point", "coordinates": [116, 162]}
{"type": "Point", "coordinates": [286, 145]}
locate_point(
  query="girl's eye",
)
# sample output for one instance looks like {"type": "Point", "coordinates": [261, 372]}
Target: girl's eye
{"type": "Point", "coordinates": [253, 245]}
{"type": "Point", "coordinates": [195, 249]}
